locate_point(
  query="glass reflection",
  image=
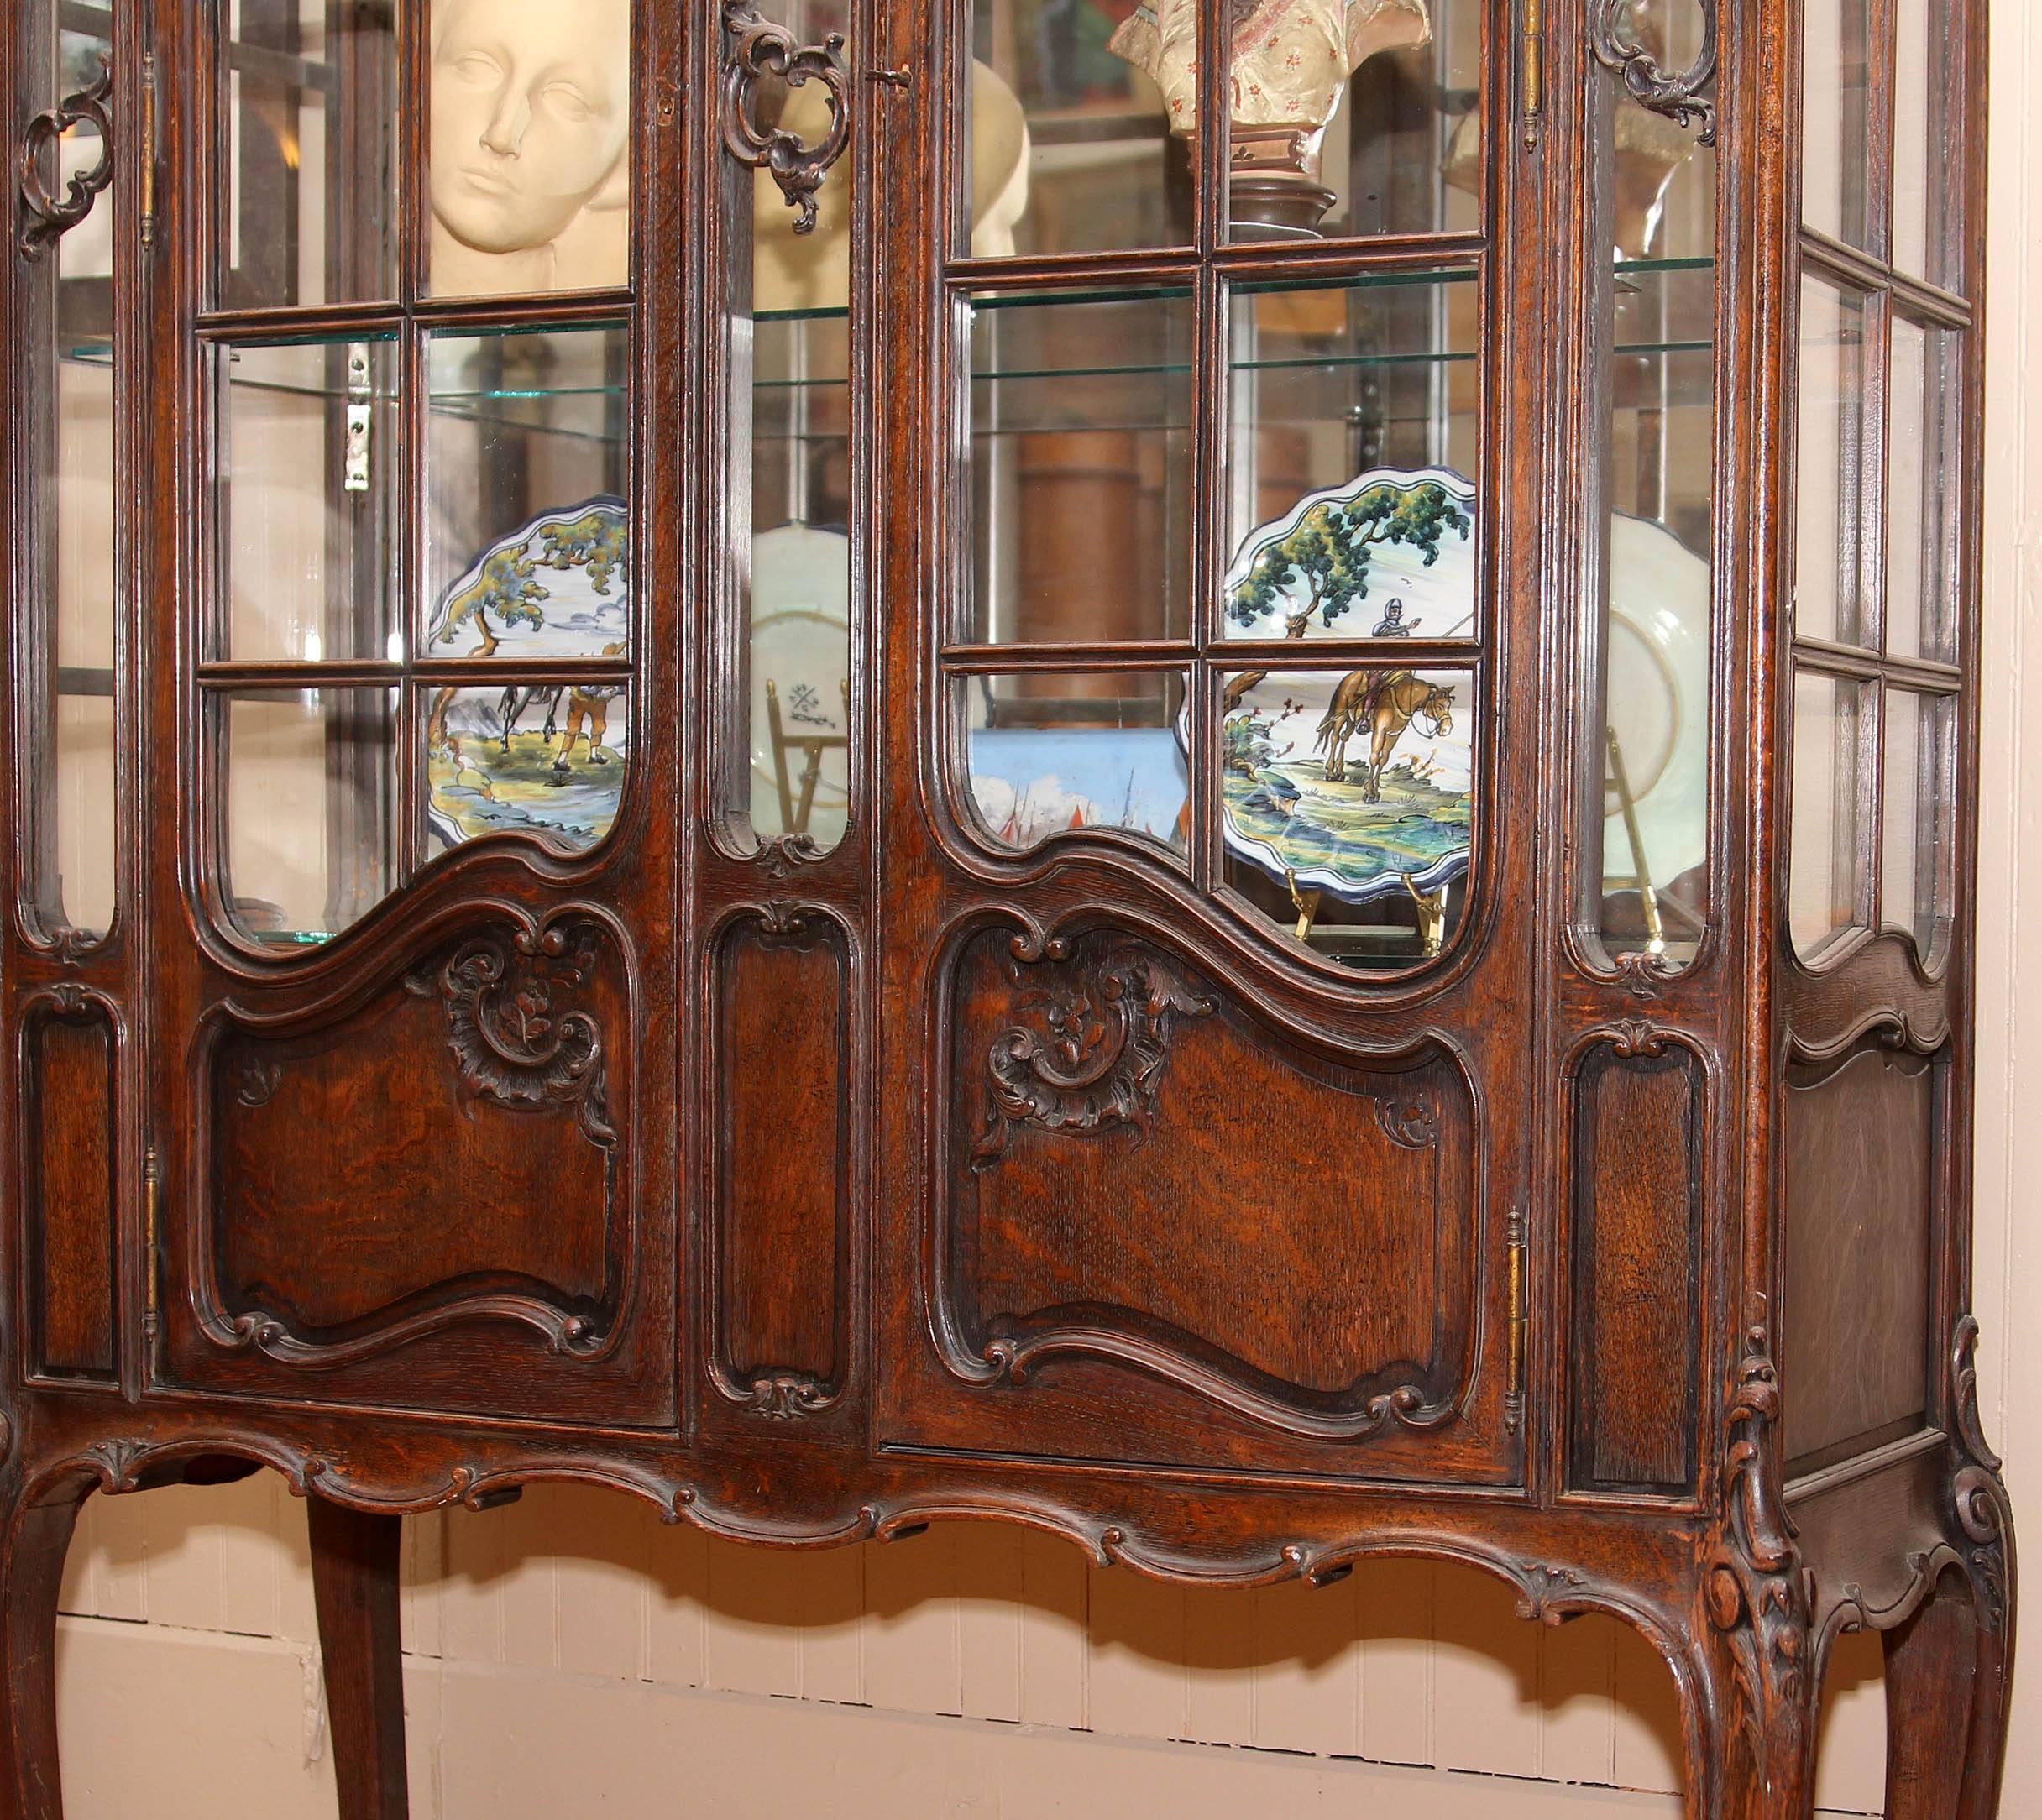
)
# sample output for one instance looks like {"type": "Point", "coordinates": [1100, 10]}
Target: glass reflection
{"type": "Point", "coordinates": [1835, 126]}
{"type": "Point", "coordinates": [531, 179]}
{"type": "Point", "coordinates": [1081, 466]}
{"type": "Point", "coordinates": [1054, 753]}
{"type": "Point", "coordinates": [1825, 874]}
{"type": "Point", "coordinates": [1829, 539]}
{"type": "Point", "coordinates": [309, 794]}
{"type": "Point", "coordinates": [308, 207]}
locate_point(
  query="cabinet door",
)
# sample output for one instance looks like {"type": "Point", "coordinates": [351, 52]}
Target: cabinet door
{"type": "Point", "coordinates": [1213, 731]}
{"type": "Point", "coordinates": [417, 1082]}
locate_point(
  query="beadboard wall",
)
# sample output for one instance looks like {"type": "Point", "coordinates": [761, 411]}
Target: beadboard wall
{"type": "Point", "coordinates": [571, 1652]}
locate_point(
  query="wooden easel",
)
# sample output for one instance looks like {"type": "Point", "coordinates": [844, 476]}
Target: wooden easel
{"type": "Point", "coordinates": [796, 809]}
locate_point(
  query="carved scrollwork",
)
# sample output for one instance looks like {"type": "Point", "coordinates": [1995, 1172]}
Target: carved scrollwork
{"type": "Point", "coordinates": [1755, 1591]}
{"type": "Point", "coordinates": [780, 856]}
{"type": "Point", "coordinates": [1408, 1124]}
{"type": "Point", "coordinates": [786, 1396]}
{"type": "Point", "coordinates": [1979, 1494]}
{"type": "Point", "coordinates": [760, 51]}
{"type": "Point", "coordinates": [1096, 1062]}
{"type": "Point", "coordinates": [1679, 95]}
{"type": "Point", "coordinates": [1644, 974]}
{"type": "Point", "coordinates": [51, 217]}
{"type": "Point", "coordinates": [513, 1039]}
{"type": "Point", "coordinates": [260, 1081]}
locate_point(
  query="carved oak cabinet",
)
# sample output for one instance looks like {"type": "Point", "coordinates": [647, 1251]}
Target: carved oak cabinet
{"type": "Point", "coordinates": [1199, 772]}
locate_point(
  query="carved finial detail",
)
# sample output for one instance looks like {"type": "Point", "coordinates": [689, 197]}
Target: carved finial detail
{"type": "Point", "coordinates": [760, 49]}
{"type": "Point", "coordinates": [1679, 95]}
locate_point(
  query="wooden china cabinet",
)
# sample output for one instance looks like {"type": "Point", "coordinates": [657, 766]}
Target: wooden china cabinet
{"type": "Point", "coordinates": [1199, 772]}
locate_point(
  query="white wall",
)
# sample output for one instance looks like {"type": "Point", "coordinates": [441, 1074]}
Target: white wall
{"type": "Point", "coordinates": [571, 1649]}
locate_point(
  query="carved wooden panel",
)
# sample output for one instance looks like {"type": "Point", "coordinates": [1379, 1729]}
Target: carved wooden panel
{"type": "Point", "coordinates": [1861, 1143]}
{"type": "Point", "coordinates": [1155, 1206]}
{"type": "Point", "coordinates": [783, 1133]}
{"type": "Point", "coordinates": [1636, 1266]}
{"type": "Point", "coordinates": [69, 1174]}
{"type": "Point", "coordinates": [438, 1178]}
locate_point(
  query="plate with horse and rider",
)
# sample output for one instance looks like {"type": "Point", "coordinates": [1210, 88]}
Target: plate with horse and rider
{"type": "Point", "coordinates": [1358, 783]}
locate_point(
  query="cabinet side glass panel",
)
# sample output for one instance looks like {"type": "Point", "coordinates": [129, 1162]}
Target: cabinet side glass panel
{"type": "Point", "coordinates": [1827, 872]}
{"type": "Point", "coordinates": [1079, 117]}
{"type": "Point", "coordinates": [308, 198]}
{"type": "Point", "coordinates": [65, 557]}
{"type": "Point", "coordinates": [788, 498]}
{"type": "Point", "coordinates": [1835, 121]}
{"type": "Point", "coordinates": [1645, 762]}
{"type": "Point", "coordinates": [531, 103]}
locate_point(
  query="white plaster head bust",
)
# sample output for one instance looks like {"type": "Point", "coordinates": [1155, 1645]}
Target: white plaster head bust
{"type": "Point", "coordinates": [530, 145]}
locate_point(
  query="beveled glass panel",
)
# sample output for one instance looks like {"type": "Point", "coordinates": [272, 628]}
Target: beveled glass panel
{"type": "Point", "coordinates": [1921, 581]}
{"type": "Point", "coordinates": [1646, 763]}
{"type": "Point", "coordinates": [65, 561]}
{"type": "Point", "coordinates": [1355, 413]}
{"type": "Point", "coordinates": [1356, 116]}
{"type": "Point", "coordinates": [1347, 805]}
{"type": "Point", "coordinates": [308, 198]}
{"type": "Point", "coordinates": [1836, 146]}
{"type": "Point", "coordinates": [1081, 466]}
{"type": "Point", "coordinates": [545, 760]}
{"type": "Point", "coordinates": [308, 796]}
{"type": "Point", "coordinates": [528, 472]}
{"type": "Point", "coordinates": [1079, 123]}
{"type": "Point", "coordinates": [1054, 753]}
{"type": "Point", "coordinates": [1921, 169]}
{"type": "Point", "coordinates": [1833, 437]}
{"type": "Point", "coordinates": [1826, 869]}
{"type": "Point", "coordinates": [311, 449]}
{"type": "Point", "coordinates": [529, 187]}
{"type": "Point", "coordinates": [1918, 867]}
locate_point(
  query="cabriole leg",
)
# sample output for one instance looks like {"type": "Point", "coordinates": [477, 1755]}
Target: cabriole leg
{"type": "Point", "coordinates": [1946, 1709]}
{"type": "Point", "coordinates": [31, 1573]}
{"type": "Point", "coordinates": [354, 1581]}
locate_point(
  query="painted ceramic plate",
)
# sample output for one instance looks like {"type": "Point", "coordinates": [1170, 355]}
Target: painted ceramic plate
{"type": "Point", "coordinates": [1028, 783]}
{"type": "Point", "coordinates": [1658, 702]}
{"type": "Point", "coordinates": [801, 645]}
{"type": "Point", "coordinates": [1391, 552]}
{"type": "Point", "coordinates": [1350, 782]}
{"type": "Point", "coordinates": [559, 586]}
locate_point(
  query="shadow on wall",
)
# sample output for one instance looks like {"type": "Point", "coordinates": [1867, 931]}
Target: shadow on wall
{"type": "Point", "coordinates": [1405, 1662]}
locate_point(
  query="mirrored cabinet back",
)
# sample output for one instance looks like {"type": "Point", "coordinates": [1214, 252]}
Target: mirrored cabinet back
{"type": "Point", "coordinates": [1199, 771]}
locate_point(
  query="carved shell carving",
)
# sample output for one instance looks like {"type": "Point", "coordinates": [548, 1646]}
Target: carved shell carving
{"type": "Point", "coordinates": [1093, 1060]}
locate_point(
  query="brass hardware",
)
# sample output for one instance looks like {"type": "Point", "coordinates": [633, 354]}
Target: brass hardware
{"type": "Point", "coordinates": [54, 217]}
{"type": "Point", "coordinates": [152, 1205]}
{"type": "Point", "coordinates": [1514, 1390]}
{"type": "Point", "coordinates": [1534, 72]}
{"type": "Point", "coordinates": [760, 49]}
{"type": "Point", "coordinates": [149, 147]}
{"type": "Point", "coordinates": [360, 421]}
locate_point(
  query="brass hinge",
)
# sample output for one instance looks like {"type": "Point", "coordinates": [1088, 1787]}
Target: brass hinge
{"type": "Point", "coordinates": [149, 147]}
{"type": "Point", "coordinates": [1533, 70]}
{"type": "Point", "coordinates": [152, 1205]}
{"type": "Point", "coordinates": [1514, 1390]}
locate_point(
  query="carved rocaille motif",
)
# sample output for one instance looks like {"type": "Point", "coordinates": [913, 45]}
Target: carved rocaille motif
{"type": "Point", "coordinates": [1980, 1493]}
{"type": "Point", "coordinates": [1096, 1063]}
{"type": "Point", "coordinates": [1756, 1592]}
{"type": "Point", "coordinates": [783, 1396]}
{"type": "Point", "coordinates": [760, 49]}
{"type": "Point", "coordinates": [515, 1042]}
{"type": "Point", "coordinates": [1676, 94]}
{"type": "Point", "coordinates": [51, 217]}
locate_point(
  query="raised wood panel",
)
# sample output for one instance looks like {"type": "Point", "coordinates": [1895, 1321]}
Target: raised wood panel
{"type": "Point", "coordinates": [69, 1193]}
{"type": "Point", "coordinates": [1636, 1270]}
{"type": "Point", "coordinates": [1861, 1143]}
{"type": "Point", "coordinates": [1142, 1177]}
{"type": "Point", "coordinates": [782, 1133]}
{"type": "Point", "coordinates": [401, 1203]}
